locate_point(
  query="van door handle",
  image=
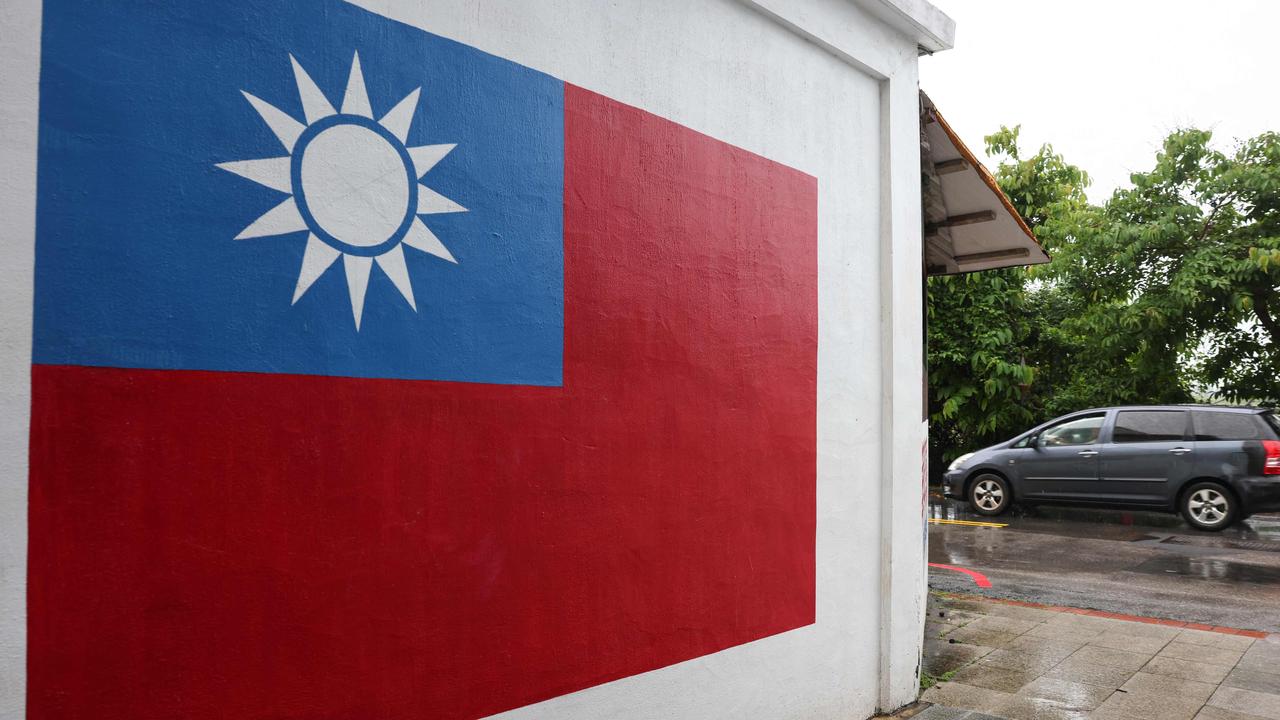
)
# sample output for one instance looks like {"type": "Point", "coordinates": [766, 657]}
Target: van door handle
{"type": "Point", "coordinates": [1180, 451]}
{"type": "Point", "coordinates": [1088, 453]}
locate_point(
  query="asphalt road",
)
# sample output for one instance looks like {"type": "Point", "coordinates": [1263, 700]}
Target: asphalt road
{"type": "Point", "coordinates": [1136, 563]}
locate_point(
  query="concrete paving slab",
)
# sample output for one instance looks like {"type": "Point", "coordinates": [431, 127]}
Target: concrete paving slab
{"type": "Point", "coordinates": [966, 696]}
{"type": "Point", "coordinates": [1143, 706]}
{"type": "Point", "coordinates": [1209, 712]}
{"type": "Point", "coordinates": [1145, 630]}
{"type": "Point", "coordinates": [936, 629]}
{"type": "Point", "coordinates": [1201, 653]}
{"type": "Point", "coordinates": [1022, 613]}
{"type": "Point", "coordinates": [1214, 639]}
{"type": "Point", "coordinates": [941, 712]}
{"type": "Point", "coordinates": [1066, 693]}
{"type": "Point", "coordinates": [1054, 649]}
{"type": "Point", "coordinates": [981, 636]}
{"type": "Point", "coordinates": [995, 678]}
{"type": "Point", "coordinates": [1019, 661]}
{"type": "Point", "coordinates": [1130, 643]}
{"type": "Point", "coordinates": [1052, 631]}
{"type": "Point", "coordinates": [999, 623]}
{"type": "Point", "coordinates": [1084, 671]}
{"type": "Point", "coordinates": [1020, 707]}
{"type": "Point", "coordinates": [1094, 622]}
{"type": "Point", "coordinates": [1169, 686]}
{"type": "Point", "coordinates": [1112, 658]}
{"type": "Point", "coordinates": [957, 618]}
{"type": "Point", "coordinates": [1264, 705]}
{"type": "Point", "coordinates": [1258, 663]}
{"type": "Point", "coordinates": [1262, 655]}
{"type": "Point", "coordinates": [1256, 680]}
{"type": "Point", "coordinates": [1187, 669]}
{"type": "Point", "coordinates": [942, 657]}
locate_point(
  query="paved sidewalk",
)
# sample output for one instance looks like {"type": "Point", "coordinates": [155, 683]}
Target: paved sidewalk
{"type": "Point", "coordinates": [1001, 660]}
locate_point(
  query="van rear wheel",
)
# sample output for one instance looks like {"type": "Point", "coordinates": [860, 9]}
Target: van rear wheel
{"type": "Point", "coordinates": [989, 494]}
{"type": "Point", "coordinates": [1209, 506]}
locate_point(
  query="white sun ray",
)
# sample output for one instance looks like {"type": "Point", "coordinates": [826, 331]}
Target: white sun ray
{"type": "Point", "coordinates": [431, 202]}
{"type": "Point", "coordinates": [421, 238]}
{"type": "Point", "coordinates": [314, 103]}
{"type": "Point", "coordinates": [392, 263]}
{"type": "Point", "coordinates": [279, 220]}
{"type": "Point", "coordinates": [271, 172]}
{"type": "Point", "coordinates": [400, 117]}
{"type": "Point", "coordinates": [315, 260]}
{"type": "Point", "coordinates": [322, 250]}
{"type": "Point", "coordinates": [425, 157]}
{"type": "Point", "coordinates": [357, 267]}
{"type": "Point", "coordinates": [356, 101]}
{"type": "Point", "coordinates": [285, 127]}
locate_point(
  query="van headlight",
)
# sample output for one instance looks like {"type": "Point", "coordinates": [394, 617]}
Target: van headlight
{"type": "Point", "coordinates": [958, 462]}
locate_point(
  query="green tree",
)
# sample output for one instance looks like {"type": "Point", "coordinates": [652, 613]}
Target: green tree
{"type": "Point", "coordinates": [977, 334]}
{"type": "Point", "coordinates": [1178, 277]}
{"type": "Point", "coordinates": [1168, 291]}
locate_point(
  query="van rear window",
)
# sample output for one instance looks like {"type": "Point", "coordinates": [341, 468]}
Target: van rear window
{"type": "Point", "coordinates": [1228, 426]}
{"type": "Point", "coordinates": [1149, 426]}
{"type": "Point", "coordinates": [1273, 422]}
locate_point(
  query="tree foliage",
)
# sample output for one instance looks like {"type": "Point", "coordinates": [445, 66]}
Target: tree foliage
{"type": "Point", "coordinates": [1168, 291]}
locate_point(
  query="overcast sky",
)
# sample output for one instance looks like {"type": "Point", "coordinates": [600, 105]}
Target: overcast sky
{"type": "Point", "coordinates": [1104, 82]}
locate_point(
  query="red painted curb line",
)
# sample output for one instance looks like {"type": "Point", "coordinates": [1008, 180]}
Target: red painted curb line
{"type": "Point", "coordinates": [978, 577]}
{"type": "Point", "coordinates": [1256, 634]}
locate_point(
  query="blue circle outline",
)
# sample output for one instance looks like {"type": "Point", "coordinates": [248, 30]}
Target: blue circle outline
{"type": "Point", "coordinates": [300, 199]}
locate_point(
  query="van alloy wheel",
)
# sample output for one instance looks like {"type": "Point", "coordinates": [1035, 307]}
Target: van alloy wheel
{"type": "Point", "coordinates": [1208, 506]}
{"type": "Point", "coordinates": [989, 495]}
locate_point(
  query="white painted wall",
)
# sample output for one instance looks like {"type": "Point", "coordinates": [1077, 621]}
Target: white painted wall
{"type": "Point", "coordinates": [19, 77]}
{"type": "Point", "coordinates": [825, 86]}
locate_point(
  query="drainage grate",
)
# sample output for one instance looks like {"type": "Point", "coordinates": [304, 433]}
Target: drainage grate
{"type": "Point", "coordinates": [1226, 543]}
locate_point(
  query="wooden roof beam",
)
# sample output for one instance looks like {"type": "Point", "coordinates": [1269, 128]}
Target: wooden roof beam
{"type": "Point", "coordinates": [1006, 254]}
{"type": "Point", "coordinates": [946, 167]}
{"type": "Point", "coordinates": [957, 220]}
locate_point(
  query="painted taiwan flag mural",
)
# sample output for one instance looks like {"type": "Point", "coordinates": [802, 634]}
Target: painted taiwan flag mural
{"type": "Point", "coordinates": [376, 376]}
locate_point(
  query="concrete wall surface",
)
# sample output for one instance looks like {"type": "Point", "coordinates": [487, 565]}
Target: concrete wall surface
{"type": "Point", "coordinates": [461, 359]}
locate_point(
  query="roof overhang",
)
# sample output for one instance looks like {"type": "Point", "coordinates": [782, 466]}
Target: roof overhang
{"type": "Point", "coordinates": [919, 20]}
{"type": "Point", "coordinates": [969, 223]}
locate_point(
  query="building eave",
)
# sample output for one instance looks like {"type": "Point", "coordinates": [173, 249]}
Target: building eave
{"type": "Point", "coordinates": [932, 30]}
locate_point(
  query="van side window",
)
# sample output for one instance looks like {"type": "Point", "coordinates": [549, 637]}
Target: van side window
{"type": "Point", "coordinates": [1080, 431]}
{"type": "Point", "coordinates": [1226, 426]}
{"type": "Point", "coordinates": [1149, 426]}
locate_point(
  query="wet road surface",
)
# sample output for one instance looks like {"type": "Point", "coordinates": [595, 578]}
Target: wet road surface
{"type": "Point", "coordinates": [1135, 563]}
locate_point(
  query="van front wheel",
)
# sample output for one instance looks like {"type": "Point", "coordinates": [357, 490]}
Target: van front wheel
{"type": "Point", "coordinates": [989, 495]}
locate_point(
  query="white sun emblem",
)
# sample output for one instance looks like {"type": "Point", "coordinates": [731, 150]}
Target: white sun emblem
{"type": "Point", "coordinates": [353, 183]}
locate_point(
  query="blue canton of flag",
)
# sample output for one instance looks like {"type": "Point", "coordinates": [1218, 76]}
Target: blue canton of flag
{"type": "Point", "coordinates": [350, 198]}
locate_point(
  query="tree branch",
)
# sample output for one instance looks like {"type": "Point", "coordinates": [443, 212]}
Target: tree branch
{"type": "Point", "coordinates": [1262, 308]}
